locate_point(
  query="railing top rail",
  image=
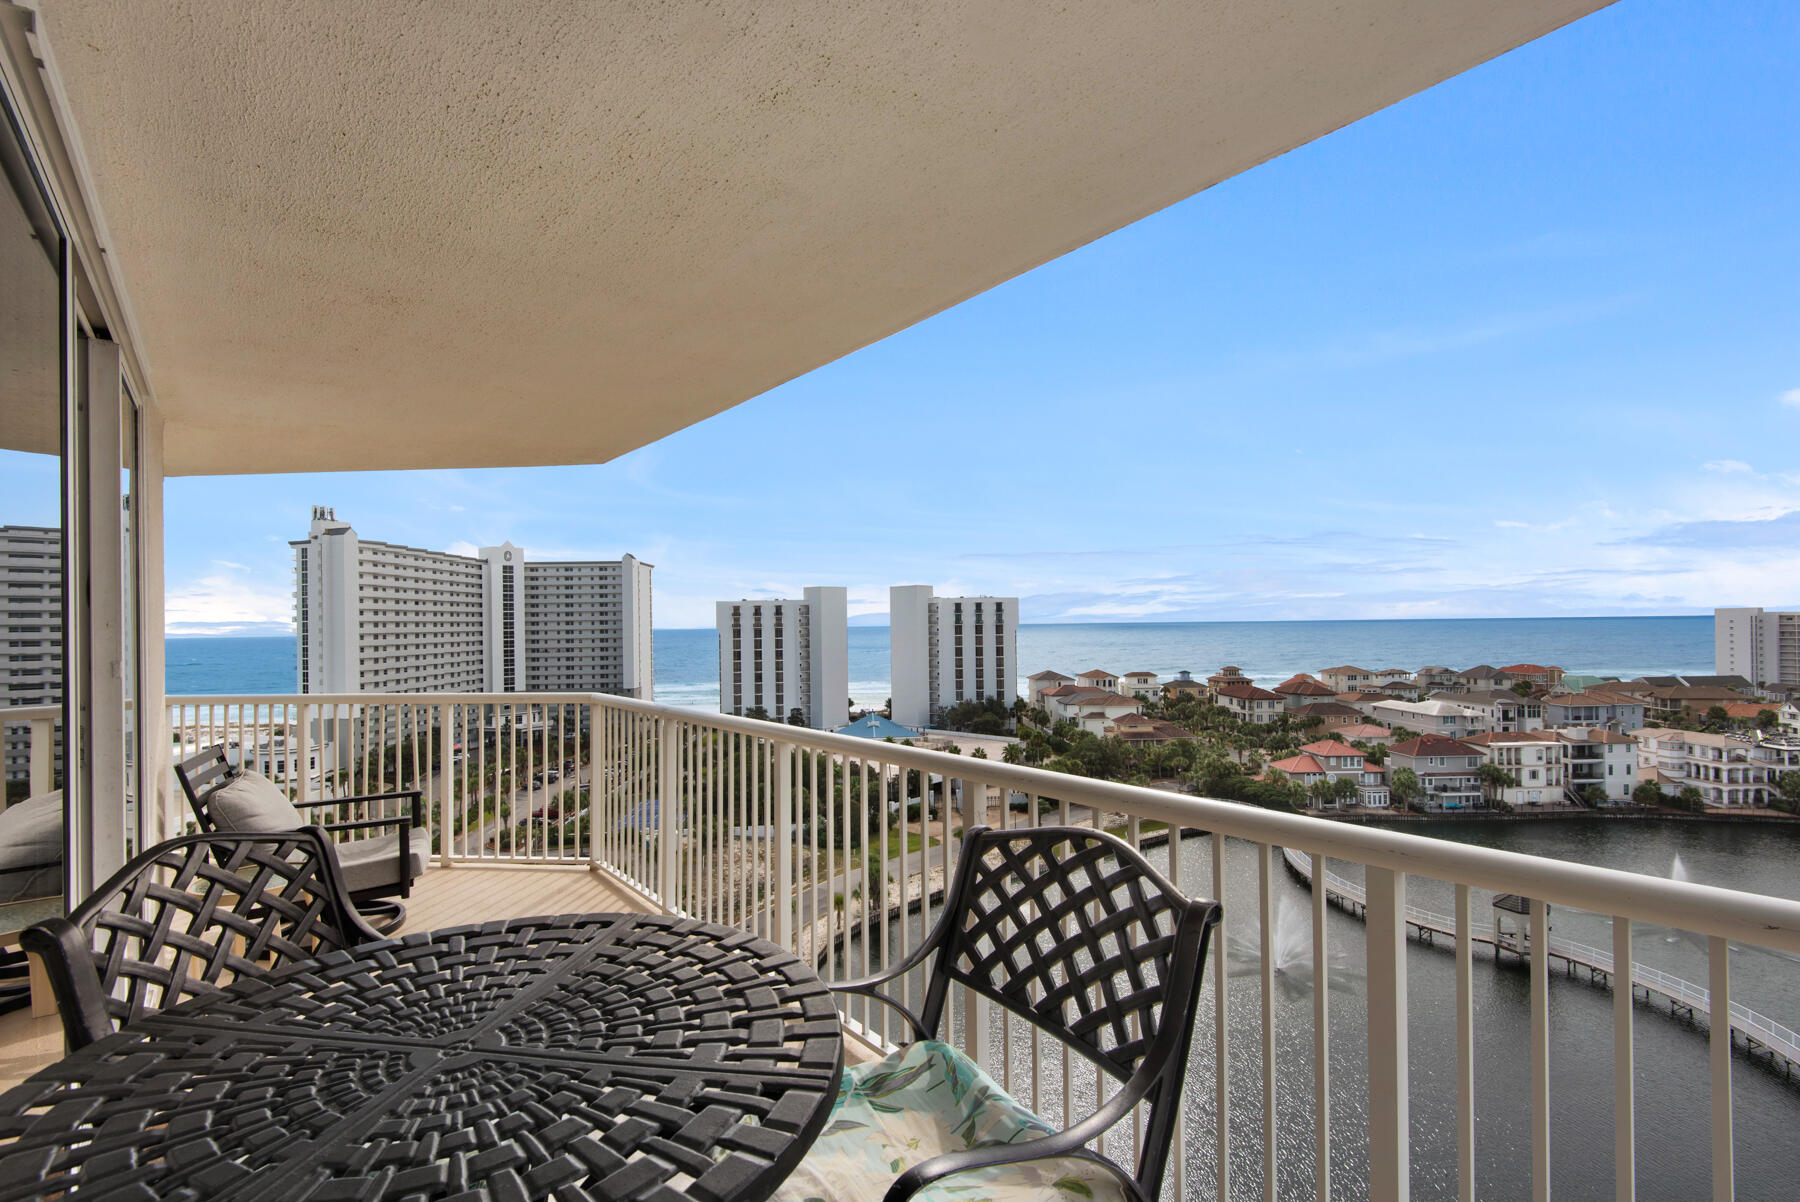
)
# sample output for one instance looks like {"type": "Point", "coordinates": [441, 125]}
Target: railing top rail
{"type": "Point", "coordinates": [11, 714]}
{"type": "Point", "coordinates": [1749, 917]}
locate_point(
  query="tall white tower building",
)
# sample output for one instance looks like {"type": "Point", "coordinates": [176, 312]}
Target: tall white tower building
{"type": "Point", "coordinates": [31, 654]}
{"type": "Point", "coordinates": [373, 617]}
{"type": "Point", "coordinates": [949, 649]}
{"type": "Point", "coordinates": [1762, 646]}
{"type": "Point", "coordinates": [786, 655]}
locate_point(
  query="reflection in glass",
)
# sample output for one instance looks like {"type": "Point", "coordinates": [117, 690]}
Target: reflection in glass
{"type": "Point", "coordinates": [31, 566]}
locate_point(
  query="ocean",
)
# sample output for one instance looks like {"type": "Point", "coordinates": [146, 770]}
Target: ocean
{"type": "Point", "coordinates": [687, 661]}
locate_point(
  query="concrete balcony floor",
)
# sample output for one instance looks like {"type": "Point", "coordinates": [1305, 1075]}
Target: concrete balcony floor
{"type": "Point", "coordinates": [443, 897]}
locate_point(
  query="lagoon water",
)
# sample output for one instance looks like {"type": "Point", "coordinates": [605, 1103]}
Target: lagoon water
{"type": "Point", "coordinates": [1672, 1098]}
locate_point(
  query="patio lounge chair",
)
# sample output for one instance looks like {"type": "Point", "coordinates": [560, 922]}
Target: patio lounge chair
{"type": "Point", "coordinates": [1073, 931]}
{"type": "Point", "coordinates": [226, 798]}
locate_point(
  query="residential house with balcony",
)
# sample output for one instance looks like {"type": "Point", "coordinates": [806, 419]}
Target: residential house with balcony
{"type": "Point", "coordinates": [1541, 677]}
{"type": "Point", "coordinates": [1482, 677]}
{"type": "Point", "coordinates": [1730, 770]}
{"type": "Point", "coordinates": [1140, 684]}
{"type": "Point", "coordinates": [1250, 703]}
{"type": "Point", "coordinates": [1436, 716]}
{"type": "Point", "coordinates": [1402, 690]}
{"type": "Point", "coordinates": [1385, 676]}
{"type": "Point", "coordinates": [1364, 732]}
{"type": "Point", "coordinates": [1303, 690]}
{"type": "Point", "coordinates": [1098, 678]}
{"type": "Point", "coordinates": [1347, 678]}
{"type": "Point", "coordinates": [1332, 715]}
{"type": "Point", "coordinates": [1435, 677]}
{"type": "Point", "coordinates": [1534, 759]}
{"type": "Point", "coordinates": [1600, 758]}
{"type": "Point", "coordinates": [1229, 674]}
{"type": "Point", "coordinates": [1331, 759]}
{"type": "Point", "coordinates": [1447, 768]}
{"type": "Point", "coordinates": [1500, 709]}
{"type": "Point", "coordinates": [1595, 707]}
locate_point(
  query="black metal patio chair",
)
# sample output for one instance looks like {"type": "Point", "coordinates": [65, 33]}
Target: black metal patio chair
{"type": "Point", "coordinates": [376, 869]}
{"type": "Point", "coordinates": [188, 917]}
{"type": "Point", "coordinates": [1076, 933]}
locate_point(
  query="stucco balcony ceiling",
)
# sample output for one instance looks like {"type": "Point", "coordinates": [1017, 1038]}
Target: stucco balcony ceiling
{"type": "Point", "coordinates": [402, 235]}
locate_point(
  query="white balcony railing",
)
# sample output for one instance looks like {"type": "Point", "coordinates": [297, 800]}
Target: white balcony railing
{"type": "Point", "coordinates": [773, 828]}
{"type": "Point", "coordinates": [37, 724]}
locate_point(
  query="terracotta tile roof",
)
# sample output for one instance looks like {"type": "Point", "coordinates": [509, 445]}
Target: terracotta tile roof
{"type": "Point", "coordinates": [1750, 709]}
{"type": "Point", "coordinates": [1344, 668]}
{"type": "Point", "coordinates": [1048, 674]}
{"type": "Point", "coordinates": [1096, 674]}
{"type": "Point", "coordinates": [1363, 730]}
{"type": "Point", "coordinates": [1151, 675]}
{"type": "Point", "coordinates": [1247, 692]}
{"type": "Point", "coordinates": [1331, 747]}
{"type": "Point", "coordinates": [1325, 709]}
{"type": "Point", "coordinates": [1596, 735]}
{"type": "Point", "coordinates": [1372, 766]}
{"type": "Point", "coordinates": [1298, 764]}
{"type": "Point", "coordinates": [1426, 745]}
{"type": "Point", "coordinates": [1527, 670]}
{"type": "Point", "coordinates": [1305, 688]}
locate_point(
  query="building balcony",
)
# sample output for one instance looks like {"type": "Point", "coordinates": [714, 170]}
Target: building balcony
{"type": "Point", "coordinates": [657, 815]}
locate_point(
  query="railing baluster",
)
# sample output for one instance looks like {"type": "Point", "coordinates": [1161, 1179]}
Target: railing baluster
{"type": "Point", "coordinates": [1465, 1048]}
{"type": "Point", "coordinates": [1624, 1057]}
{"type": "Point", "coordinates": [1386, 934]}
{"type": "Point", "coordinates": [1540, 1051]}
{"type": "Point", "coordinates": [1321, 974]}
{"type": "Point", "coordinates": [1221, 1029]}
{"type": "Point", "coordinates": [1718, 1018]}
{"type": "Point", "coordinates": [1265, 903]}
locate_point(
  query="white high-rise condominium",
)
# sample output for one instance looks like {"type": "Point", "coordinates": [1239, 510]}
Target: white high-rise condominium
{"type": "Point", "coordinates": [31, 654]}
{"type": "Point", "coordinates": [1762, 646]}
{"type": "Point", "coordinates": [949, 649]}
{"type": "Point", "coordinates": [372, 617]}
{"type": "Point", "coordinates": [786, 655]}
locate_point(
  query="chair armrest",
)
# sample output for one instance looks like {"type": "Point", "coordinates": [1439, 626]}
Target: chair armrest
{"type": "Point", "coordinates": [1071, 1141]}
{"type": "Point", "coordinates": [1060, 1144]}
{"type": "Point", "coordinates": [366, 824]}
{"type": "Point", "coordinates": [417, 795]}
{"type": "Point", "coordinates": [69, 961]}
{"type": "Point", "coordinates": [867, 986]}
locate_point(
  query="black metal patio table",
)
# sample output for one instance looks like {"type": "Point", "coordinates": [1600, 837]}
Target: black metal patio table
{"type": "Point", "coordinates": [595, 1056]}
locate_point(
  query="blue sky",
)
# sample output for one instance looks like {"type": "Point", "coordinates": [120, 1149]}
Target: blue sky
{"type": "Point", "coordinates": [1525, 344]}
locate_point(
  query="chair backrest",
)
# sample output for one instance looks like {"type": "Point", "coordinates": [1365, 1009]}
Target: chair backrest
{"type": "Point", "coordinates": [188, 917]}
{"type": "Point", "coordinates": [1074, 931]}
{"type": "Point", "coordinates": [199, 775]}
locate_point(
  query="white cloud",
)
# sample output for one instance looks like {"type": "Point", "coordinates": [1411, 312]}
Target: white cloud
{"type": "Point", "coordinates": [1790, 398]}
{"type": "Point", "coordinates": [459, 547]}
{"type": "Point", "coordinates": [1727, 466]}
{"type": "Point", "coordinates": [227, 603]}
{"type": "Point", "coordinates": [1540, 527]}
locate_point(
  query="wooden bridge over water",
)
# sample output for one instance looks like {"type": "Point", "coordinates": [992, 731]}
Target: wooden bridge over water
{"type": "Point", "coordinates": [1760, 1037]}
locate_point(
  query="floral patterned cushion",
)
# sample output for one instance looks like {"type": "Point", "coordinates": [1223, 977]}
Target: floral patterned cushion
{"type": "Point", "coordinates": [923, 1100]}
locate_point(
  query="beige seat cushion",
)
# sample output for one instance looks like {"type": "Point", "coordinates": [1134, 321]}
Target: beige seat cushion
{"type": "Point", "coordinates": [251, 803]}
{"type": "Point", "coordinates": [375, 863]}
{"type": "Point", "coordinates": [31, 847]}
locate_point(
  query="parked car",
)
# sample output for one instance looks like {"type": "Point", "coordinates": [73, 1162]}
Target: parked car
{"type": "Point", "coordinates": [551, 776]}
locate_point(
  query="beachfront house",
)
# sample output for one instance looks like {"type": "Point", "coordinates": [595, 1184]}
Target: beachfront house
{"type": "Point", "coordinates": [300, 237]}
{"type": "Point", "coordinates": [1098, 678]}
{"type": "Point", "coordinates": [1303, 690]}
{"type": "Point", "coordinates": [1250, 703]}
{"type": "Point", "coordinates": [1346, 678]}
{"type": "Point", "coordinates": [1038, 682]}
{"type": "Point", "coordinates": [1730, 770]}
{"type": "Point", "coordinates": [1436, 716]}
{"type": "Point", "coordinates": [1184, 685]}
{"type": "Point", "coordinates": [1139, 684]}
{"type": "Point", "coordinates": [1540, 677]}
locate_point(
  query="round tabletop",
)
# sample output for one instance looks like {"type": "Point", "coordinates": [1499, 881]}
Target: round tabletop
{"type": "Point", "coordinates": [603, 1056]}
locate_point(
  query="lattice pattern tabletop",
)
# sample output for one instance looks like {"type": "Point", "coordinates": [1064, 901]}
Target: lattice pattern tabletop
{"type": "Point", "coordinates": [598, 1056]}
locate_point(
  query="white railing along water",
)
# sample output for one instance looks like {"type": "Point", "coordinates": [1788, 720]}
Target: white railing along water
{"type": "Point", "coordinates": [817, 840]}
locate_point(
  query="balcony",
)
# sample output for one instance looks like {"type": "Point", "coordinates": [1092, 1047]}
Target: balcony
{"type": "Point", "coordinates": [763, 825]}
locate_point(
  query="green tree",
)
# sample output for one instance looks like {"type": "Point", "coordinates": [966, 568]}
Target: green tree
{"type": "Point", "coordinates": [1767, 719]}
{"type": "Point", "coordinates": [1494, 778]}
{"type": "Point", "coordinates": [1691, 798]}
{"type": "Point", "coordinates": [1013, 753]}
{"type": "Point", "coordinates": [1788, 791]}
{"type": "Point", "coordinates": [757, 712]}
{"type": "Point", "coordinates": [1717, 716]}
{"type": "Point", "coordinates": [1405, 786]}
{"type": "Point", "coordinates": [1647, 793]}
{"type": "Point", "coordinates": [795, 717]}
